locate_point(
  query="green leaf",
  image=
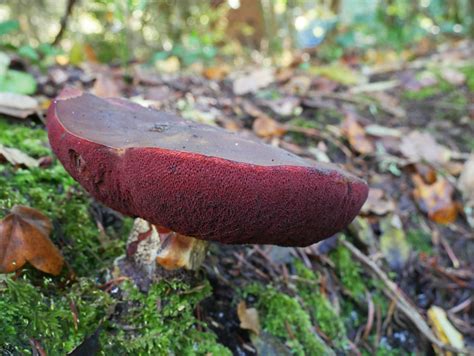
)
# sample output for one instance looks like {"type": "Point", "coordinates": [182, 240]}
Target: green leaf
{"type": "Point", "coordinates": [8, 26]}
{"type": "Point", "coordinates": [14, 81]}
{"type": "Point", "coordinates": [28, 52]}
{"type": "Point", "coordinates": [393, 242]}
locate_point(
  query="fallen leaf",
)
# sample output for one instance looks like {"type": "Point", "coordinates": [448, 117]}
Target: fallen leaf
{"type": "Point", "coordinates": [453, 76]}
{"type": "Point", "coordinates": [338, 73]}
{"type": "Point", "coordinates": [466, 186]}
{"type": "Point", "coordinates": [17, 105]}
{"type": "Point", "coordinates": [360, 227]}
{"type": "Point", "coordinates": [17, 158]}
{"type": "Point", "coordinates": [356, 135]}
{"type": "Point", "coordinates": [248, 317]}
{"type": "Point", "coordinates": [466, 180]}
{"type": "Point", "coordinates": [377, 203]}
{"type": "Point", "coordinates": [426, 172]}
{"type": "Point", "coordinates": [105, 86]}
{"type": "Point", "coordinates": [216, 73]}
{"type": "Point", "coordinates": [265, 126]}
{"type": "Point", "coordinates": [393, 242]}
{"type": "Point", "coordinates": [24, 237]}
{"type": "Point", "coordinates": [443, 328]}
{"type": "Point", "coordinates": [169, 65]}
{"type": "Point", "coordinates": [298, 85]}
{"type": "Point", "coordinates": [421, 146]}
{"type": "Point", "coordinates": [436, 199]}
{"type": "Point", "coordinates": [253, 81]}
{"type": "Point", "coordinates": [285, 106]}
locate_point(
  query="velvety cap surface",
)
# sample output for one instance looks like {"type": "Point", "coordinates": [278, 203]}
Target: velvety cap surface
{"type": "Point", "coordinates": [195, 179]}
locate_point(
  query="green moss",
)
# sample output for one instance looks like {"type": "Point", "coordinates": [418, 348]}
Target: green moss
{"type": "Point", "coordinates": [162, 322]}
{"type": "Point", "coordinates": [322, 311]}
{"type": "Point", "coordinates": [53, 191]}
{"type": "Point", "coordinates": [39, 313]}
{"type": "Point", "coordinates": [469, 73]}
{"type": "Point", "coordinates": [349, 271]}
{"type": "Point", "coordinates": [420, 240]}
{"type": "Point", "coordinates": [282, 316]}
{"type": "Point", "coordinates": [30, 140]}
{"type": "Point", "coordinates": [442, 86]}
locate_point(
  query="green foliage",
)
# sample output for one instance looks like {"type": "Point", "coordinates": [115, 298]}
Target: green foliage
{"type": "Point", "coordinates": [14, 81]}
{"type": "Point", "coordinates": [420, 240]}
{"type": "Point", "coordinates": [9, 26]}
{"type": "Point", "coordinates": [282, 315]}
{"type": "Point", "coordinates": [469, 73]}
{"type": "Point", "coordinates": [442, 86]}
{"type": "Point", "coordinates": [37, 312]}
{"type": "Point", "coordinates": [53, 191]}
{"type": "Point", "coordinates": [349, 271]}
{"type": "Point", "coordinates": [163, 322]}
{"type": "Point", "coordinates": [320, 307]}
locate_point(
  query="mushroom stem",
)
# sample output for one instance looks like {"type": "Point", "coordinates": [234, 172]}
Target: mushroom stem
{"type": "Point", "coordinates": [149, 245]}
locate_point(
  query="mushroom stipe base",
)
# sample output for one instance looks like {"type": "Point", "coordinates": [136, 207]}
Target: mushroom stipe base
{"type": "Point", "coordinates": [151, 245]}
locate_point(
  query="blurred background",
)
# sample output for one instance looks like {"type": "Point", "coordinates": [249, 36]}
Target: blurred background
{"type": "Point", "coordinates": [190, 32]}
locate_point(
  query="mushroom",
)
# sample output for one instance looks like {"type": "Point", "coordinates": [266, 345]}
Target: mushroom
{"type": "Point", "coordinates": [190, 182]}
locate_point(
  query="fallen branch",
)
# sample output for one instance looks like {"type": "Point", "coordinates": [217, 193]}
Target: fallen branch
{"type": "Point", "coordinates": [402, 302]}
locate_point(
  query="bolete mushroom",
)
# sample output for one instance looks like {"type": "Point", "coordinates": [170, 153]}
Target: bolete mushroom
{"type": "Point", "coordinates": [187, 179]}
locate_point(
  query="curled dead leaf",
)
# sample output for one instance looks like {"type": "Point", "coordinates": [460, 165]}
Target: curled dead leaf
{"type": "Point", "coordinates": [393, 242]}
{"type": "Point", "coordinates": [24, 237]}
{"type": "Point", "coordinates": [443, 328]}
{"type": "Point", "coordinates": [17, 158]}
{"type": "Point", "coordinates": [436, 199]}
{"type": "Point", "coordinates": [377, 203]}
{"type": "Point", "coordinates": [421, 146]}
{"type": "Point", "coordinates": [248, 317]}
{"type": "Point", "coordinates": [17, 105]}
{"type": "Point", "coordinates": [216, 73]}
{"type": "Point", "coordinates": [265, 126]}
{"type": "Point", "coordinates": [356, 135]}
{"type": "Point", "coordinates": [253, 81]}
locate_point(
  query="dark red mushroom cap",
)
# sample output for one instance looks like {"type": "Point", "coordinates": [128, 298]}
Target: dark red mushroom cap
{"type": "Point", "coordinates": [195, 179]}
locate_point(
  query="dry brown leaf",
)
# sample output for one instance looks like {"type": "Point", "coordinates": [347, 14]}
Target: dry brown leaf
{"type": "Point", "coordinates": [466, 180]}
{"type": "Point", "coordinates": [466, 186]}
{"type": "Point", "coordinates": [17, 158]}
{"type": "Point", "coordinates": [378, 204]}
{"type": "Point", "coordinates": [265, 126]}
{"type": "Point", "coordinates": [216, 73]}
{"type": "Point", "coordinates": [426, 172]}
{"type": "Point", "coordinates": [105, 86]}
{"type": "Point", "coordinates": [24, 237]}
{"type": "Point", "coordinates": [17, 105]}
{"type": "Point", "coordinates": [356, 135]}
{"type": "Point", "coordinates": [248, 317]}
{"type": "Point", "coordinates": [453, 76]}
{"type": "Point", "coordinates": [252, 82]}
{"type": "Point", "coordinates": [285, 106]}
{"type": "Point", "coordinates": [436, 199]}
{"type": "Point", "coordinates": [421, 146]}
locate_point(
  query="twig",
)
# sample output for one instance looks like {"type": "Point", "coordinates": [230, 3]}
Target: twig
{"type": "Point", "coordinates": [402, 302]}
{"type": "Point", "coordinates": [64, 21]}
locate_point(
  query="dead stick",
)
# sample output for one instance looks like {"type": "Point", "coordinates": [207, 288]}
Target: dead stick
{"type": "Point", "coordinates": [402, 302]}
{"type": "Point", "coordinates": [64, 21]}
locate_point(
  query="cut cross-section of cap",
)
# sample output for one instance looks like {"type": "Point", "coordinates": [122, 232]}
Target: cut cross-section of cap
{"type": "Point", "coordinates": [198, 180]}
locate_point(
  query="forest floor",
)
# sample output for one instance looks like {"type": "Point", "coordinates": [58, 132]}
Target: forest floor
{"type": "Point", "coordinates": [399, 280]}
